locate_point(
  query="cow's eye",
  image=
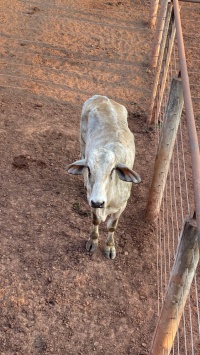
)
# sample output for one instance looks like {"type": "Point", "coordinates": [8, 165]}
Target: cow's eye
{"type": "Point", "coordinates": [89, 172]}
{"type": "Point", "coordinates": [111, 172]}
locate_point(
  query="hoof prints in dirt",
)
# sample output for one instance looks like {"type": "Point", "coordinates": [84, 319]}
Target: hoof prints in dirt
{"type": "Point", "coordinates": [39, 344]}
{"type": "Point", "coordinates": [23, 162]}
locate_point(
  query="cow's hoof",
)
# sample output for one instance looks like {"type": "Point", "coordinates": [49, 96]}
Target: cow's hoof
{"type": "Point", "coordinates": [110, 252]}
{"type": "Point", "coordinates": [91, 245]}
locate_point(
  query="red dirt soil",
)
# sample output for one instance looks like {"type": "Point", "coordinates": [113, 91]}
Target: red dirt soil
{"type": "Point", "coordinates": [56, 297]}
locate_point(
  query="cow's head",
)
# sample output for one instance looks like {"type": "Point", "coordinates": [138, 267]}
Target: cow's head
{"type": "Point", "coordinates": [99, 170]}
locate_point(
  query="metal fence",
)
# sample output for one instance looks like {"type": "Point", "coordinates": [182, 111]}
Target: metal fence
{"type": "Point", "coordinates": [174, 194]}
{"type": "Point", "coordinates": [36, 48]}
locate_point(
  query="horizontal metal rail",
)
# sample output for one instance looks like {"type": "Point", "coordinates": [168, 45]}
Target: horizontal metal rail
{"type": "Point", "coordinates": [195, 1]}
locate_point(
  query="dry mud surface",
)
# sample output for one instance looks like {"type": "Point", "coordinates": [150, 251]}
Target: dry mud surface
{"type": "Point", "coordinates": [57, 298]}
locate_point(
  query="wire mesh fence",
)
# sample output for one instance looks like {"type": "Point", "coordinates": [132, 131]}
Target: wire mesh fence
{"type": "Point", "coordinates": [178, 196]}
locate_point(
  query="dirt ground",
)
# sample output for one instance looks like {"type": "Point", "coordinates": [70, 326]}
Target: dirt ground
{"type": "Point", "coordinates": [56, 297]}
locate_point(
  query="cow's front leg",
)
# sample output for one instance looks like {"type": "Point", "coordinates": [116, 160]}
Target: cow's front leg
{"type": "Point", "coordinates": [110, 251]}
{"type": "Point", "coordinates": [92, 242]}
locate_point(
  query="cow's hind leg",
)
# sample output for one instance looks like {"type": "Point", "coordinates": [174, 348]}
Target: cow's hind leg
{"type": "Point", "coordinates": [92, 242]}
{"type": "Point", "coordinates": [110, 250]}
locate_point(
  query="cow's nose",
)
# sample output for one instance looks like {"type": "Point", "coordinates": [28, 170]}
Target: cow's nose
{"type": "Point", "coordinates": [97, 204]}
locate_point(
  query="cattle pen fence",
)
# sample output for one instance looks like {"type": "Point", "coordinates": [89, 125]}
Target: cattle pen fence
{"type": "Point", "coordinates": [174, 197]}
{"type": "Point", "coordinates": [36, 60]}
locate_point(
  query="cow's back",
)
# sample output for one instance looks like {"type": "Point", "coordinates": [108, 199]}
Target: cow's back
{"type": "Point", "coordinates": [104, 111]}
{"type": "Point", "coordinates": [103, 121]}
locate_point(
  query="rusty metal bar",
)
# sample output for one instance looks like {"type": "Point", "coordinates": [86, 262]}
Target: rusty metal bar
{"type": "Point", "coordinates": [194, 1]}
{"type": "Point", "coordinates": [183, 271]}
{"type": "Point", "coordinates": [158, 34]}
{"type": "Point", "coordinates": [160, 61]}
{"type": "Point", "coordinates": [153, 13]}
{"type": "Point", "coordinates": [165, 70]}
{"type": "Point", "coordinates": [192, 133]}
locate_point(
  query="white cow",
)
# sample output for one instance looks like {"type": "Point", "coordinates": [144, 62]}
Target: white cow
{"type": "Point", "coordinates": [107, 157]}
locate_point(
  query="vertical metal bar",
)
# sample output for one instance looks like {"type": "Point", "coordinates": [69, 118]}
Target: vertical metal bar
{"type": "Point", "coordinates": [160, 61]}
{"type": "Point", "coordinates": [153, 13]}
{"type": "Point", "coordinates": [158, 33]}
{"type": "Point", "coordinates": [193, 139]}
{"type": "Point", "coordinates": [165, 70]}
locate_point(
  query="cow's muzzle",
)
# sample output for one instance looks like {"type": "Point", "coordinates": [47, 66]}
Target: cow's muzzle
{"type": "Point", "coordinates": [97, 204]}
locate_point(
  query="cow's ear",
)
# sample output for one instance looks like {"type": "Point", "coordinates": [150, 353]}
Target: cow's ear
{"type": "Point", "coordinates": [77, 167]}
{"type": "Point", "coordinates": [127, 174]}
